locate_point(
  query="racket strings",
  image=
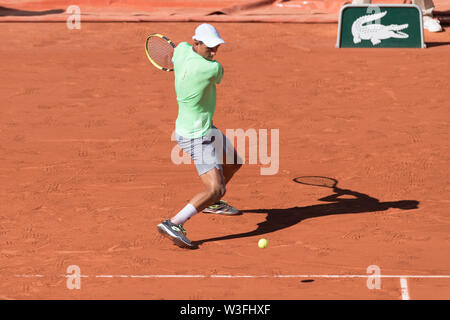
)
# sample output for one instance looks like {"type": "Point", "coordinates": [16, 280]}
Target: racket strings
{"type": "Point", "coordinates": [161, 52]}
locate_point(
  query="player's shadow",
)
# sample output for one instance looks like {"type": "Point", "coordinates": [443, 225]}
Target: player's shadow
{"type": "Point", "coordinates": [278, 219]}
{"type": "Point", "coordinates": [4, 12]}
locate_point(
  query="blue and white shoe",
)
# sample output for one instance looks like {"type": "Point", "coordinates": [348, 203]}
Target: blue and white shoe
{"type": "Point", "coordinates": [176, 233]}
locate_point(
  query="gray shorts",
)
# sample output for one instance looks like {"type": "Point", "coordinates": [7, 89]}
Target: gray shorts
{"type": "Point", "coordinates": [210, 151]}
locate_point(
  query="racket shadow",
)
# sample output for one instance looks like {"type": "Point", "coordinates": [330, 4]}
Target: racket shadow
{"type": "Point", "coordinates": [279, 219]}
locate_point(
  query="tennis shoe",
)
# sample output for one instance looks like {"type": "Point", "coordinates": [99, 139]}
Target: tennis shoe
{"type": "Point", "coordinates": [176, 233]}
{"type": "Point", "coordinates": [223, 208]}
{"type": "Point", "coordinates": [431, 24]}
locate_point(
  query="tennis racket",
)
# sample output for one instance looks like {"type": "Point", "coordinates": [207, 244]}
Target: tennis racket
{"type": "Point", "coordinates": [159, 50]}
{"type": "Point", "coordinates": [317, 181]}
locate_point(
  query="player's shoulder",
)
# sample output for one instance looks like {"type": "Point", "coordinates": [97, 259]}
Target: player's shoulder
{"type": "Point", "coordinates": [208, 66]}
{"type": "Point", "coordinates": [215, 65]}
{"type": "Point", "coordinates": [181, 51]}
{"type": "Point", "coordinates": [183, 45]}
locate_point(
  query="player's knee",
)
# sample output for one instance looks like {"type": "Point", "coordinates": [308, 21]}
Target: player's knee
{"type": "Point", "coordinates": [222, 190]}
{"type": "Point", "coordinates": [217, 191]}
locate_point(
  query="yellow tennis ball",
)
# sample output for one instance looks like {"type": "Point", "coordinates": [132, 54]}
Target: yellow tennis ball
{"type": "Point", "coordinates": [262, 243]}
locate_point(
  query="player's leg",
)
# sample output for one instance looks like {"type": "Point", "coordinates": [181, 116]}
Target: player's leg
{"type": "Point", "coordinates": [429, 23]}
{"type": "Point", "coordinates": [229, 169]}
{"type": "Point", "coordinates": [214, 190]}
{"type": "Point", "coordinates": [230, 164]}
{"type": "Point", "coordinates": [219, 206]}
{"type": "Point", "coordinates": [208, 162]}
{"type": "Point", "coordinates": [209, 169]}
{"type": "Point", "coordinates": [231, 161]}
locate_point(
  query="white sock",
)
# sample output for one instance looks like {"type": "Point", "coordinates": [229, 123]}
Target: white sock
{"type": "Point", "coordinates": [185, 214]}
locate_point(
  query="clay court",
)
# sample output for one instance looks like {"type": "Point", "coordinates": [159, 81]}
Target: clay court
{"type": "Point", "coordinates": [86, 170]}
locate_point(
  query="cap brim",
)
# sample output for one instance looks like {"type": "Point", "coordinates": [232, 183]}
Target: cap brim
{"type": "Point", "coordinates": [214, 43]}
{"type": "Point", "coordinates": [211, 43]}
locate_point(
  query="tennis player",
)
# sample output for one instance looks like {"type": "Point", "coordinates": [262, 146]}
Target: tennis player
{"type": "Point", "coordinates": [196, 76]}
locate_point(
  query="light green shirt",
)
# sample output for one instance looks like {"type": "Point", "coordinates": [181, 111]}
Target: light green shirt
{"type": "Point", "coordinates": [195, 86]}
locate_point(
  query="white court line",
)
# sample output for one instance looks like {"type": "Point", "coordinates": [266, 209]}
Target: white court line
{"type": "Point", "coordinates": [404, 286]}
{"type": "Point", "coordinates": [363, 276]}
{"type": "Point", "coordinates": [225, 276]}
{"type": "Point", "coordinates": [169, 276]}
{"type": "Point", "coordinates": [403, 278]}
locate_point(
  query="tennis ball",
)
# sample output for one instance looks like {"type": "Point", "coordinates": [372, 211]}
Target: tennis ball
{"type": "Point", "coordinates": [262, 243]}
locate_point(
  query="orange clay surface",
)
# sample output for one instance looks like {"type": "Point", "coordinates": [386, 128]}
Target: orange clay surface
{"type": "Point", "coordinates": [86, 173]}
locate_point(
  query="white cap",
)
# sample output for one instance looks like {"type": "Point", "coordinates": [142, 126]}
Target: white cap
{"type": "Point", "coordinates": [207, 34]}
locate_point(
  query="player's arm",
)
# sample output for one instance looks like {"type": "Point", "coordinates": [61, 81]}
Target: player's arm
{"type": "Point", "coordinates": [220, 71]}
